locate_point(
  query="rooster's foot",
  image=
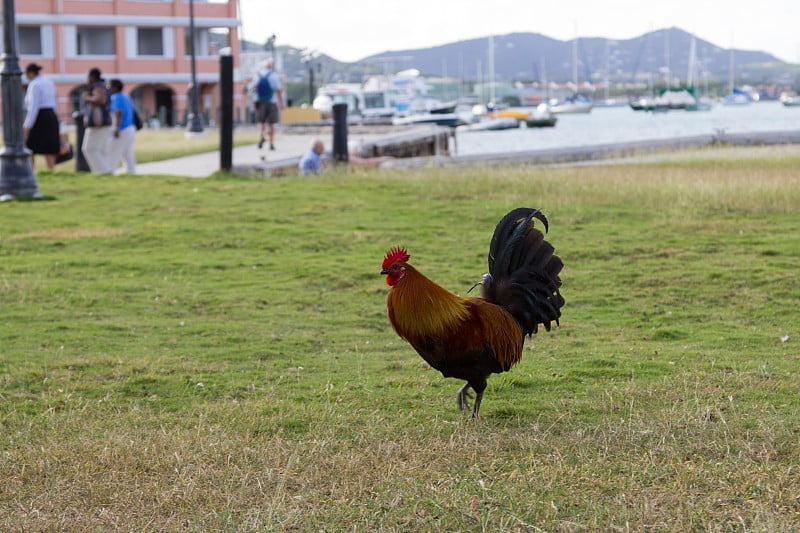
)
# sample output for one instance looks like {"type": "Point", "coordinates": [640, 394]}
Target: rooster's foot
{"type": "Point", "coordinates": [463, 394]}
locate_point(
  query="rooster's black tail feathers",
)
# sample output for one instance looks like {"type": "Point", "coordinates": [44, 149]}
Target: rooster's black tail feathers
{"type": "Point", "coordinates": [523, 271]}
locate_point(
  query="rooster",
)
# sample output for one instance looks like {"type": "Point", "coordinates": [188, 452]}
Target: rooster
{"type": "Point", "coordinates": [472, 338]}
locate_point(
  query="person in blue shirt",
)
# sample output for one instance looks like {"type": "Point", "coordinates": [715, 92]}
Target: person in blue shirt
{"type": "Point", "coordinates": [120, 146]}
{"type": "Point", "coordinates": [311, 163]}
{"type": "Point", "coordinates": [266, 93]}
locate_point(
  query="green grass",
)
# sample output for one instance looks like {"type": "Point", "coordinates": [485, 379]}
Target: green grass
{"type": "Point", "coordinates": [213, 355]}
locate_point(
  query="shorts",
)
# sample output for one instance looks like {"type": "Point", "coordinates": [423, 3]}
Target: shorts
{"type": "Point", "coordinates": [267, 112]}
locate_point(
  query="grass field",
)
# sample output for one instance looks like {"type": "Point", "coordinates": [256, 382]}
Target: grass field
{"type": "Point", "coordinates": [214, 355]}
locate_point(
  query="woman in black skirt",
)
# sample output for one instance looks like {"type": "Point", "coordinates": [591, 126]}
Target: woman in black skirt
{"type": "Point", "coordinates": [41, 122]}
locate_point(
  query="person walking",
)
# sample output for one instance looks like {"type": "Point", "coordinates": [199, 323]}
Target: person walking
{"type": "Point", "coordinates": [267, 95]}
{"type": "Point", "coordinates": [311, 162]}
{"type": "Point", "coordinates": [120, 145]}
{"type": "Point", "coordinates": [97, 121]}
{"type": "Point", "coordinates": [40, 127]}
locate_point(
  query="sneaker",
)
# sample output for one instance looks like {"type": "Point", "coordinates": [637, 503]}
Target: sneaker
{"type": "Point", "coordinates": [260, 142]}
{"type": "Point", "coordinates": [271, 146]}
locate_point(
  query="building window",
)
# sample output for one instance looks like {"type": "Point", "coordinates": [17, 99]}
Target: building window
{"type": "Point", "coordinates": [95, 41]}
{"type": "Point", "coordinates": [149, 42]}
{"type": "Point", "coordinates": [207, 41]}
{"type": "Point", "coordinates": [30, 40]}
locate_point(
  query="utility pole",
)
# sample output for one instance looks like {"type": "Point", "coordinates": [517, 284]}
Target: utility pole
{"type": "Point", "coordinates": [16, 174]}
{"type": "Point", "coordinates": [194, 123]}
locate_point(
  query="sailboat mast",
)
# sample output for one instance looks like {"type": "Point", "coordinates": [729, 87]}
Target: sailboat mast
{"type": "Point", "coordinates": [575, 61]}
{"type": "Point", "coordinates": [607, 81]}
{"type": "Point", "coordinates": [491, 69]}
{"type": "Point", "coordinates": [731, 81]}
{"type": "Point", "coordinates": [690, 75]}
{"type": "Point", "coordinates": [545, 82]}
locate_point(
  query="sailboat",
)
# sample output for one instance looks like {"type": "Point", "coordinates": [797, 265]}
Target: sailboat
{"type": "Point", "coordinates": [491, 116]}
{"type": "Point", "coordinates": [691, 80]}
{"type": "Point", "coordinates": [575, 103]}
{"type": "Point", "coordinates": [736, 96]}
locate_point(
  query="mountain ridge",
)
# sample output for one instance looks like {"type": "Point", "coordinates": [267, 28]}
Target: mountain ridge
{"type": "Point", "coordinates": [528, 56]}
{"type": "Point", "coordinates": [548, 58]}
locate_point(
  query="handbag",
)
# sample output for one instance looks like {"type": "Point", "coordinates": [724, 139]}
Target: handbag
{"type": "Point", "coordinates": [98, 115]}
{"type": "Point", "coordinates": [65, 153]}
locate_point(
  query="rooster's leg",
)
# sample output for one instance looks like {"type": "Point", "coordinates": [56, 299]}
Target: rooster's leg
{"type": "Point", "coordinates": [478, 386]}
{"type": "Point", "coordinates": [476, 408]}
{"type": "Point", "coordinates": [463, 394]}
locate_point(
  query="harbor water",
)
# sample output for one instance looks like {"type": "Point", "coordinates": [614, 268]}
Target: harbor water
{"type": "Point", "coordinates": [609, 125]}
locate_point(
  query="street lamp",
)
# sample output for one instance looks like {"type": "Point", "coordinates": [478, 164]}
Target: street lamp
{"type": "Point", "coordinates": [194, 123]}
{"type": "Point", "coordinates": [269, 46]}
{"type": "Point", "coordinates": [309, 60]}
{"type": "Point", "coordinates": [16, 173]}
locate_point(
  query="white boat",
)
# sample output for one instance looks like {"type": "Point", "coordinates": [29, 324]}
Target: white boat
{"type": "Point", "coordinates": [490, 124]}
{"type": "Point", "coordinates": [790, 99]}
{"type": "Point", "coordinates": [671, 99]}
{"type": "Point", "coordinates": [541, 117]}
{"type": "Point", "coordinates": [572, 104]}
{"type": "Point", "coordinates": [366, 106]}
{"type": "Point", "coordinates": [439, 119]}
{"type": "Point", "coordinates": [424, 109]}
{"type": "Point", "coordinates": [737, 97]}
{"type": "Point", "coordinates": [378, 100]}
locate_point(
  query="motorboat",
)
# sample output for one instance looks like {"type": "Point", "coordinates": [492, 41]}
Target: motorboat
{"type": "Point", "coordinates": [490, 124]}
{"type": "Point", "coordinates": [572, 104]}
{"type": "Point", "coordinates": [790, 99]}
{"type": "Point", "coordinates": [738, 97]}
{"type": "Point", "coordinates": [439, 119]}
{"type": "Point", "coordinates": [669, 100]}
{"type": "Point", "coordinates": [541, 117]}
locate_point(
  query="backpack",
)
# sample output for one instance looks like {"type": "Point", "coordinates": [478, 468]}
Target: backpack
{"type": "Point", "coordinates": [264, 89]}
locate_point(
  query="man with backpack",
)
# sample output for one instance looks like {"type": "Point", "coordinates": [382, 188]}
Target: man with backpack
{"type": "Point", "coordinates": [267, 95]}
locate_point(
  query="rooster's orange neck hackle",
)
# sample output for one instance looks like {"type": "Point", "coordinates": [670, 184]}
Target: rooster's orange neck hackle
{"type": "Point", "coordinates": [409, 287]}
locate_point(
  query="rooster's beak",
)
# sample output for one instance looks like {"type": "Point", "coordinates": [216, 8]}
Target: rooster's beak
{"type": "Point", "coordinates": [384, 271]}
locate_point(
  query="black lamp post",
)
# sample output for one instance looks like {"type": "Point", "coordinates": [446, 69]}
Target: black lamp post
{"type": "Point", "coordinates": [16, 174]}
{"type": "Point", "coordinates": [269, 46]}
{"type": "Point", "coordinates": [311, 65]}
{"type": "Point", "coordinates": [311, 82]}
{"type": "Point", "coordinates": [193, 122]}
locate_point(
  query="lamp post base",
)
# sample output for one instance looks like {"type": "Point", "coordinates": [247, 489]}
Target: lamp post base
{"type": "Point", "coordinates": [194, 126]}
{"type": "Point", "coordinates": [16, 176]}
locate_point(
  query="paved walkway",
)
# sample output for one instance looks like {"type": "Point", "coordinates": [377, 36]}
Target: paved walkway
{"type": "Point", "coordinates": [290, 145]}
{"type": "Point", "coordinates": [287, 146]}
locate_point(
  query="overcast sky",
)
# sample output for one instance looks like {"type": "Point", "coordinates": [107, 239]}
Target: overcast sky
{"type": "Point", "coordinates": [349, 30]}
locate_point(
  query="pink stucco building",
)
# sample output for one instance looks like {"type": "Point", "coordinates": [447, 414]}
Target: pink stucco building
{"type": "Point", "coordinates": [145, 43]}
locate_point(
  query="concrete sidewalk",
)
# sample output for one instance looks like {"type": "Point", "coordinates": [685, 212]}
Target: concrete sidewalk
{"type": "Point", "coordinates": [290, 145]}
{"type": "Point", "coordinates": [287, 146]}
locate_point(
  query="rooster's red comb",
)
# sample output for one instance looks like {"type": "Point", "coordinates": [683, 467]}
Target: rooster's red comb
{"type": "Point", "coordinates": [395, 254]}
